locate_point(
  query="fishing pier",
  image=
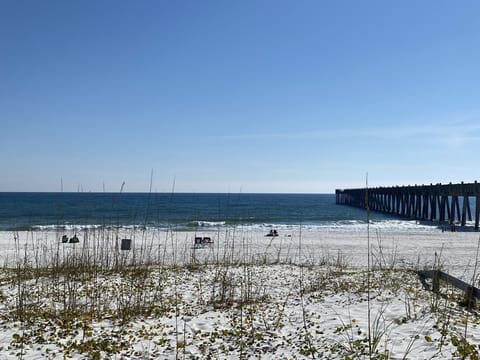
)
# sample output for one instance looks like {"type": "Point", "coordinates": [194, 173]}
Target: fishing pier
{"type": "Point", "coordinates": [439, 202]}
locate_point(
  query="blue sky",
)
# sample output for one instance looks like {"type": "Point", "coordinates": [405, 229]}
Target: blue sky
{"type": "Point", "coordinates": [238, 96]}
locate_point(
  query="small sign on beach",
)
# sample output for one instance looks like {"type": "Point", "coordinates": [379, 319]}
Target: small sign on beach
{"type": "Point", "coordinates": [126, 244]}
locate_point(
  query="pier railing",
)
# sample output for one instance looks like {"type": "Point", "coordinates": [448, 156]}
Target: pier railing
{"type": "Point", "coordinates": [439, 202]}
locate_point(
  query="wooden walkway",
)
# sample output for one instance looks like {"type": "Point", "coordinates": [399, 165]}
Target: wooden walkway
{"type": "Point", "coordinates": [439, 202]}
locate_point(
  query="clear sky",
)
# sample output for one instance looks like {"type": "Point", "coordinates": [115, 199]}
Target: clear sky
{"type": "Point", "coordinates": [238, 96]}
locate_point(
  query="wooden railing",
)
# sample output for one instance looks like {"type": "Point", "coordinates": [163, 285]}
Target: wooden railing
{"type": "Point", "coordinates": [471, 292]}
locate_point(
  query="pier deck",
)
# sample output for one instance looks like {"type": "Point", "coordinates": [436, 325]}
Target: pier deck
{"type": "Point", "coordinates": [439, 202]}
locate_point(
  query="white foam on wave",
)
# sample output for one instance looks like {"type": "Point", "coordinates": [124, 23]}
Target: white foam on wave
{"type": "Point", "coordinates": [390, 225]}
{"type": "Point", "coordinates": [347, 226]}
{"type": "Point", "coordinates": [65, 227]}
{"type": "Point", "coordinates": [209, 223]}
{"type": "Point", "coordinates": [80, 227]}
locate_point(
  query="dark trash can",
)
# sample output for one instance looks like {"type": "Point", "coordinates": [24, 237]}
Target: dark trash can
{"type": "Point", "coordinates": [126, 244]}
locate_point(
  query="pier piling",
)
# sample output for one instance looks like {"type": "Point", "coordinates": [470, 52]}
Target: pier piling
{"type": "Point", "coordinates": [449, 202]}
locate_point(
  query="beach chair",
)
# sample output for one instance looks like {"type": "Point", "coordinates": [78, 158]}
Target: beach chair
{"type": "Point", "coordinates": [207, 240]}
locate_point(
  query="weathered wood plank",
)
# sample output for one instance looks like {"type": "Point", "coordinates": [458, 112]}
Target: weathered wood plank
{"type": "Point", "coordinates": [459, 284]}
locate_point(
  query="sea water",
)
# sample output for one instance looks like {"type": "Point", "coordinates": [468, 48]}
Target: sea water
{"type": "Point", "coordinates": [189, 211]}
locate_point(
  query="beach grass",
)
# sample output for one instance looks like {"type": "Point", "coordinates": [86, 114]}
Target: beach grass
{"type": "Point", "coordinates": [244, 296]}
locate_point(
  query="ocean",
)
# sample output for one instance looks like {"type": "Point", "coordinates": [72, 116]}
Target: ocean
{"type": "Point", "coordinates": [188, 211]}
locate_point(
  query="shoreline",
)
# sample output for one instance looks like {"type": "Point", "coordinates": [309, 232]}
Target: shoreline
{"type": "Point", "coordinates": [406, 250]}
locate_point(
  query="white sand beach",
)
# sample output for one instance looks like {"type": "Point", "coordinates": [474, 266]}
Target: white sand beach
{"type": "Point", "coordinates": [299, 295]}
{"type": "Point", "coordinates": [401, 249]}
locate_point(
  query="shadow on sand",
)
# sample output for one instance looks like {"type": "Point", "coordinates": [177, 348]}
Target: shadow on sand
{"type": "Point", "coordinates": [445, 226]}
